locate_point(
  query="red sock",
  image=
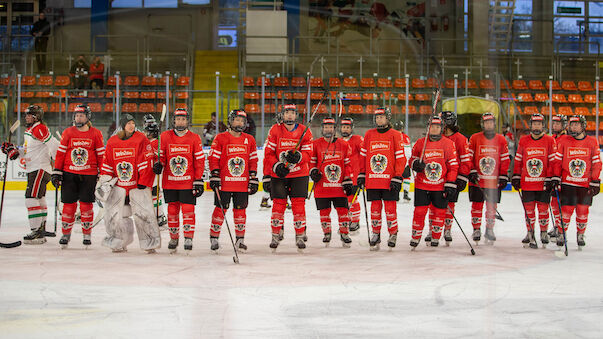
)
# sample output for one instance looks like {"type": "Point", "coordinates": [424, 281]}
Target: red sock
{"type": "Point", "coordinates": [543, 215]}
{"type": "Point", "coordinates": [343, 216]}
{"type": "Point", "coordinates": [325, 220]}
{"type": "Point", "coordinates": [418, 221]}
{"type": "Point", "coordinates": [216, 222]}
{"type": "Point", "coordinates": [530, 214]}
{"type": "Point", "coordinates": [391, 216]}
{"type": "Point", "coordinates": [278, 214]}
{"type": "Point", "coordinates": [298, 207]}
{"type": "Point", "coordinates": [438, 222]}
{"type": "Point", "coordinates": [376, 206]}
{"type": "Point", "coordinates": [556, 214]}
{"type": "Point", "coordinates": [174, 219]}
{"type": "Point", "coordinates": [567, 211]}
{"type": "Point", "coordinates": [581, 218]}
{"type": "Point", "coordinates": [188, 220]}
{"type": "Point", "coordinates": [490, 214]}
{"type": "Point", "coordinates": [354, 209]}
{"type": "Point", "coordinates": [476, 214]}
{"type": "Point", "coordinates": [240, 219]}
{"type": "Point", "coordinates": [68, 217]}
{"type": "Point", "coordinates": [87, 216]}
{"type": "Point", "coordinates": [449, 218]}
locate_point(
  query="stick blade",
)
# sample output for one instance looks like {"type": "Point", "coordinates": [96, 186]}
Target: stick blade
{"type": "Point", "coordinates": [14, 126]}
{"type": "Point", "coordinates": [163, 112]}
{"type": "Point", "coordinates": [560, 254]}
{"type": "Point", "coordinates": [10, 245]}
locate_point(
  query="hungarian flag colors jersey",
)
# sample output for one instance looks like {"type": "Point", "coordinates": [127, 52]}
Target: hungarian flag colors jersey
{"type": "Point", "coordinates": [80, 152]}
{"type": "Point", "coordinates": [577, 161]}
{"type": "Point", "coordinates": [280, 140]}
{"type": "Point", "coordinates": [382, 158]}
{"type": "Point", "coordinates": [129, 160]}
{"type": "Point", "coordinates": [335, 165]}
{"type": "Point", "coordinates": [441, 164]}
{"type": "Point", "coordinates": [534, 161]}
{"type": "Point", "coordinates": [490, 158]}
{"type": "Point", "coordinates": [38, 148]}
{"type": "Point", "coordinates": [183, 159]}
{"type": "Point", "coordinates": [234, 157]}
{"type": "Point", "coordinates": [355, 143]}
{"type": "Point", "coordinates": [462, 152]}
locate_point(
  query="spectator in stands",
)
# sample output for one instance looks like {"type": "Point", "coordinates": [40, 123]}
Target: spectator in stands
{"type": "Point", "coordinates": [41, 30]}
{"type": "Point", "coordinates": [250, 126]}
{"type": "Point", "coordinates": [79, 72]}
{"type": "Point", "coordinates": [97, 70]}
{"type": "Point", "coordinates": [209, 131]}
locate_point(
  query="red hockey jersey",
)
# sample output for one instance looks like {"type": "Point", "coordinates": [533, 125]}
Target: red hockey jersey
{"type": "Point", "coordinates": [534, 161]}
{"type": "Point", "coordinates": [234, 157]}
{"type": "Point", "coordinates": [489, 157]}
{"type": "Point", "coordinates": [335, 165]}
{"type": "Point", "coordinates": [154, 145]}
{"type": "Point", "coordinates": [381, 158]}
{"type": "Point", "coordinates": [355, 143]}
{"type": "Point", "coordinates": [183, 160]}
{"type": "Point", "coordinates": [129, 160]}
{"type": "Point", "coordinates": [441, 164]}
{"type": "Point", "coordinates": [577, 162]}
{"type": "Point", "coordinates": [80, 152]}
{"type": "Point", "coordinates": [281, 140]}
{"type": "Point", "coordinates": [462, 152]}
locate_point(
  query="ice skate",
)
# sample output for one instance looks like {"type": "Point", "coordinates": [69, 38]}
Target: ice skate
{"type": "Point", "coordinates": [447, 237]}
{"type": "Point", "coordinates": [36, 237]}
{"type": "Point", "coordinates": [305, 236]}
{"type": "Point", "coordinates": [434, 242]}
{"type": "Point", "coordinates": [428, 239]}
{"type": "Point", "coordinates": [477, 235]}
{"type": "Point", "coordinates": [326, 239]}
{"type": "Point", "coordinates": [281, 234]}
{"type": "Point", "coordinates": [544, 238]}
{"type": "Point", "coordinates": [413, 244]}
{"type": "Point", "coordinates": [87, 240]}
{"type": "Point", "coordinates": [265, 204]}
{"type": "Point", "coordinates": [173, 245]}
{"type": "Point", "coordinates": [580, 241]}
{"type": "Point", "coordinates": [64, 242]}
{"type": "Point", "coordinates": [391, 242]}
{"type": "Point", "coordinates": [375, 241]}
{"type": "Point", "coordinates": [214, 244]}
{"type": "Point", "coordinates": [119, 250]}
{"type": "Point", "coordinates": [530, 240]}
{"type": "Point", "coordinates": [275, 241]}
{"type": "Point", "coordinates": [345, 240]}
{"type": "Point", "coordinates": [162, 222]}
{"type": "Point", "coordinates": [299, 241]}
{"type": "Point", "coordinates": [560, 239]}
{"type": "Point", "coordinates": [240, 245]}
{"type": "Point", "coordinates": [553, 233]}
{"type": "Point", "coordinates": [354, 227]}
{"type": "Point", "coordinates": [406, 198]}
{"type": "Point", "coordinates": [490, 237]}
{"type": "Point", "coordinates": [188, 245]}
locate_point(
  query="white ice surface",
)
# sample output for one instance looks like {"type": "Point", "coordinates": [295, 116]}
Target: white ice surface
{"type": "Point", "coordinates": [505, 291]}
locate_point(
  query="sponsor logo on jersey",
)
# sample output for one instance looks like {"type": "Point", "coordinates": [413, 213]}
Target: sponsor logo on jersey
{"type": "Point", "coordinates": [180, 149]}
{"type": "Point", "coordinates": [534, 167]}
{"type": "Point", "coordinates": [433, 171]}
{"type": "Point", "coordinates": [287, 143]}
{"type": "Point", "coordinates": [487, 165]}
{"type": "Point", "coordinates": [379, 145]}
{"type": "Point", "coordinates": [125, 170]}
{"type": "Point", "coordinates": [332, 156]}
{"type": "Point", "coordinates": [178, 165]}
{"type": "Point", "coordinates": [434, 154]}
{"type": "Point", "coordinates": [378, 163]}
{"type": "Point", "coordinates": [535, 152]}
{"type": "Point", "coordinates": [485, 149]}
{"type": "Point", "coordinates": [236, 166]}
{"type": "Point", "coordinates": [80, 142]}
{"type": "Point", "coordinates": [119, 153]}
{"type": "Point", "coordinates": [577, 167]}
{"type": "Point", "coordinates": [236, 149]}
{"type": "Point", "coordinates": [332, 172]}
{"type": "Point", "coordinates": [575, 151]}
{"type": "Point", "coordinates": [79, 156]}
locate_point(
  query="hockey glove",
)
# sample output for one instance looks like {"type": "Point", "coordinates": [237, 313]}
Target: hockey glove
{"type": "Point", "coordinates": [198, 188]}
{"type": "Point", "coordinates": [254, 184]}
{"type": "Point", "coordinates": [10, 150]}
{"type": "Point", "coordinates": [516, 181]}
{"type": "Point", "coordinates": [473, 177]}
{"type": "Point", "coordinates": [266, 183]}
{"type": "Point", "coordinates": [141, 187]}
{"type": "Point", "coordinates": [449, 190]}
{"type": "Point", "coordinates": [552, 183]}
{"type": "Point", "coordinates": [502, 181]}
{"type": "Point", "coordinates": [461, 182]}
{"type": "Point", "coordinates": [6, 146]}
{"type": "Point", "coordinates": [315, 175]}
{"type": "Point", "coordinates": [293, 157]}
{"type": "Point", "coordinates": [360, 180]}
{"type": "Point", "coordinates": [418, 166]}
{"type": "Point", "coordinates": [281, 170]}
{"type": "Point", "coordinates": [395, 185]}
{"type": "Point", "coordinates": [348, 186]}
{"type": "Point", "coordinates": [157, 167]}
{"type": "Point", "coordinates": [214, 180]}
{"type": "Point", "coordinates": [104, 185]}
{"type": "Point", "coordinates": [56, 178]}
{"type": "Point", "coordinates": [594, 187]}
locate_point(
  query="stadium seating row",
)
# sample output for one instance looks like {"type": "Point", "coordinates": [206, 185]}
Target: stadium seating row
{"type": "Point", "coordinates": [97, 107]}
{"type": "Point", "coordinates": [65, 81]}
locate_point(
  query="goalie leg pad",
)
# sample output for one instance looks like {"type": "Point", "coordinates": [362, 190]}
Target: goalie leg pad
{"type": "Point", "coordinates": [145, 220]}
{"type": "Point", "coordinates": [114, 205]}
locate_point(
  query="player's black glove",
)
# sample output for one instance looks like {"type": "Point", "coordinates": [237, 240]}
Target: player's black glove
{"type": "Point", "coordinates": [552, 184]}
{"type": "Point", "coordinates": [157, 167]}
{"type": "Point", "coordinates": [360, 181]}
{"type": "Point", "coordinates": [449, 190]}
{"type": "Point", "coordinates": [10, 150]}
{"type": "Point", "coordinates": [293, 157]}
{"type": "Point", "coordinates": [348, 186]}
{"type": "Point", "coordinates": [395, 185]}
{"type": "Point", "coordinates": [254, 184]}
{"type": "Point", "coordinates": [315, 175]}
{"type": "Point", "coordinates": [141, 187]}
{"type": "Point", "coordinates": [266, 183]}
{"type": "Point", "coordinates": [214, 180]}
{"type": "Point", "coordinates": [594, 187]}
{"type": "Point", "coordinates": [516, 181]}
{"type": "Point", "coordinates": [418, 166]}
{"type": "Point", "coordinates": [281, 170]}
{"type": "Point", "coordinates": [473, 177]}
{"type": "Point", "coordinates": [56, 178]}
{"type": "Point", "coordinates": [502, 181]}
{"type": "Point", "coordinates": [461, 182]}
{"type": "Point", "coordinates": [198, 188]}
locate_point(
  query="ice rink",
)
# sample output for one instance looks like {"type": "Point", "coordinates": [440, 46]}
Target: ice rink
{"type": "Point", "coordinates": [505, 291]}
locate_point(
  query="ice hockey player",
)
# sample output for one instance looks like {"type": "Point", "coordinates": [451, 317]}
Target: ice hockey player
{"type": "Point", "coordinates": [286, 173]}
{"type": "Point", "coordinates": [346, 129]}
{"type": "Point", "coordinates": [331, 171]}
{"type": "Point", "coordinates": [382, 163]}
{"type": "Point", "coordinates": [436, 166]}
{"type": "Point", "coordinates": [265, 204]}
{"type": "Point", "coordinates": [37, 151]}
{"type": "Point", "coordinates": [532, 174]}
{"type": "Point", "coordinates": [123, 189]}
{"type": "Point", "coordinates": [233, 163]}
{"type": "Point", "coordinates": [399, 126]}
{"type": "Point", "coordinates": [577, 167]}
{"type": "Point", "coordinates": [151, 129]}
{"type": "Point", "coordinates": [181, 153]}
{"type": "Point", "coordinates": [490, 163]}
{"type": "Point", "coordinates": [559, 127]}
{"type": "Point", "coordinates": [76, 167]}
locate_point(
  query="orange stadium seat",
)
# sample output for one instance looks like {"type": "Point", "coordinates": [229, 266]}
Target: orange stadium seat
{"type": "Point", "coordinates": [559, 98]}
{"type": "Point", "coordinates": [594, 111]}
{"type": "Point", "coordinates": [267, 82]}
{"type": "Point", "coordinates": [575, 98]}
{"type": "Point", "coordinates": [425, 109]}
{"type": "Point", "coordinates": [321, 110]}
{"type": "Point", "coordinates": [298, 82]}
{"type": "Point", "coordinates": [355, 109]}
{"type": "Point", "coordinates": [417, 83]}
{"type": "Point", "coordinates": [400, 83]}
{"type": "Point", "coordinates": [529, 110]}
{"type": "Point", "coordinates": [350, 82]}
{"type": "Point", "coordinates": [112, 82]}
{"type": "Point", "coordinates": [431, 83]}
{"type": "Point", "coordinates": [269, 95]}
{"type": "Point", "coordinates": [28, 80]}
{"type": "Point", "coordinates": [471, 84]}
{"type": "Point", "coordinates": [520, 85]}
{"type": "Point", "coordinates": [541, 97]}
{"type": "Point", "coordinates": [131, 95]}
{"type": "Point", "coordinates": [148, 95]}
{"type": "Point", "coordinates": [132, 80]}
{"type": "Point", "coordinates": [370, 109]}
{"type": "Point", "coordinates": [183, 81]}
{"type": "Point", "coordinates": [367, 83]}
{"type": "Point", "coordinates": [108, 107]}
{"type": "Point", "coordinates": [565, 110]}
{"type": "Point", "coordinates": [181, 105]}
{"type": "Point", "coordinates": [582, 110]}
{"type": "Point", "coordinates": [544, 110]}
{"type": "Point", "coordinates": [162, 81]}
{"type": "Point", "coordinates": [54, 107]}
{"type": "Point", "coordinates": [251, 95]}
{"type": "Point", "coordinates": [27, 94]}
{"type": "Point", "coordinates": [182, 95]}
{"type": "Point", "coordinates": [252, 108]}
{"type": "Point", "coordinates": [536, 85]}
{"type": "Point", "coordinates": [590, 98]}
{"type": "Point", "coordinates": [336, 107]}
{"type": "Point", "coordinates": [248, 82]}
{"type": "Point", "coordinates": [287, 95]}
{"type": "Point", "coordinates": [316, 95]}
{"type": "Point", "coordinates": [585, 86]}
{"type": "Point", "coordinates": [161, 95]}
{"type": "Point", "coordinates": [95, 107]}
{"type": "Point", "coordinates": [450, 83]}
{"type": "Point", "coordinates": [129, 107]}
{"type": "Point", "coordinates": [281, 82]}
{"type": "Point", "coordinates": [353, 96]}
{"type": "Point", "coordinates": [555, 85]}
{"type": "Point", "coordinates": [569, 86]}
{"type": "Point", "coordinates": [369, 96]}
{"type": "Point", "coordinates": [486, 84]}
{"type": "Point", "coordinates": [525, 97]}
{"type": "Point", "coordinates": [422, 97]}
{"type": "Point", "coordinates": [402, 97]}
{"type": "Point", "coordinates": [316, 83]}
{"type": "Point", "coordinates": [45, 80]}
{"type": "Point", "coordinates": [384, 83]}
{"type": "Point", "coordinates": [412, 109]}
{"type": "Point", "coordinates": [149, 81]}
{"type": "Point", "coordinates": [147, 108]}
{"type": "Point", "coordinates": [300, 96]}
{"type": "Point", "coordinates": [334, 82]}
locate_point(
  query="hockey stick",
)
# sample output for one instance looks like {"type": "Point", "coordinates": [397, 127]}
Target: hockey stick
{"type": "Point", "coordinates": [13, 128]}
{"type": "Point", "coordinates": [527, 218]}
{"type": "Point", "coordinates": [368, 231]}
{"type": "Point", "coordinates": [433, 111]}
{"type": "Point", "coordinates": [497, 216]}
{"type": "Point", "coordinates": [236, 256]}
{"type": "Point", "coordinates": [462, 231]}
{"type": "Point", "coordinates": [163, 112]}
{"type": "Point", "coordinates": [560, 253]}
{"type": "Point", "coordinates": [56, 202]}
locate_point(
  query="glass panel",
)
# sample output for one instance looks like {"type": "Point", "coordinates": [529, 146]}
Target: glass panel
{"type": "Point", "coordinates": [567, 45]}
{"type": "Point", "coordinates": [568, 25]}
{"type": "Point", "coordinates": [593, 48]}
{"type": "Point", "coordinates": [82, 3]}
{"type": "Point", "coordinates": [161, 3]}
{"type": "Point", "coordinates": [229, 18]}
{"type": "Point", "coordinates": [595, 9]}
{"type": "Point", "coordinates": [523, 7]}
{"type": "Point", "coordinates": [227, 37]}
{"type": "Point", "coordinates": [196, 2]}
{"type": "Point", "coordinates": [126, 3]}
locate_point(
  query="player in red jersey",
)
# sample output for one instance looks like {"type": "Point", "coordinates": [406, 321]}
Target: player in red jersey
{"type": "Point", "coordinates": [181, 152]}
{"type": "Point", "coordinates": [435, 163]}
{"type": "Point", "coordinates": [382, 163]}
{"type": "Point", "coordinates": [331, 171]}
{"type": "Point", "coordinates": [123, 189]}
{"type": "Point", "coordinates": [151, 129]}
{"type": "Point", "coordinates": [532, 175]}
{"type": "Point", "coordinates": [490, 162]}
{"type": "Point", "coordinates": [559, 128]}
{"type": "Point", "coordinates": [76, 167]}
{"type": "Point", "coordinates": [355, 141]}
{"type": "Point", "coordinates": [577, 168]}
{"type": "Point", "coordinates": [286, 173]}
{"type": "Point", "coordinates": [233, 163]}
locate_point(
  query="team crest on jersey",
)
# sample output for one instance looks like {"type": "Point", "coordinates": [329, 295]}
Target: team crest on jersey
{"type": "Point", "coordinates": [178, 165]}
{"type": "Point", "coordinates": [125, 171]}
{"type": "Point", "coordinates": [79, 156]}
{"type": "Point", "coordinates": [534, 167]}
{"type": "Point", "coordinates": [577, 167]}
{"type": "Point", "coordinates": [332, 172]}
{"type": "Point", "coordinates": [433, 171]}
{"type": "Point", "coordinates": [236, 166]}
{"type": "Point", "coordinates": [487, 165]}
{"type": "Point", "coordinates": [378, 163]}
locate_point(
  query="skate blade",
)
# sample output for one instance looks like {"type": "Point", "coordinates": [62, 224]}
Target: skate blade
{"type": "Point", "coordinates": [560, 253]}
{"type": "Point", "coordinates": [543, 246]}
{"type": "Point", "coordinates": [119, 250]}
{"type": "Point", "coordinates": [35, 241]}
{"type": "Point", "coordinates": [300, 250]}
{"type": "Point", "coordinates": [580, 248]}
{"type": "Point", "coordinates": [151, 251]}
{"type": "Point", "coordinates": [214, 251]}
{"type": "Point", "coordinates": [188, 252]}
{"type": "Point", "coordinates": [374, 248]}
{"type": "Point", "coordinates": [413, 248]}
{"type": "Point", "coordinates": [448, 243]}
{"type": "Point", "coordinates": [241, 250]}
{"type": "Point", "coordinates": [63, 247]}
{"type": "Point", "coordinates": [345, 245]}
{"type": "Point", "coordinates": [327, 244]}
{"type": "Point", "coordinates": [173, 251]}
{"type": "Point", "coordinates": [273, 250]}
{"type": "Point", "coordinates": [390, 249]}
{"type": "Point", "coordinates": [534, 246]}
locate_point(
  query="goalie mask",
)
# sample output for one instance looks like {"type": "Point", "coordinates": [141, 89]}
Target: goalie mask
{"type": "Point", "coordinates": [36, 111]}
{"type": "Point", "coordinates": [180, 112]}
{"type": "Point", "coordinates": [346, 132]}
{"type": "Point", "coordinates": [288, 108]}
{"type": "Point", "coordinates": [450, 120]}
{"type": "Point", "coordinates": [150, 126]}
{"type": "Point", "coordinates": [329, 132]}
{"type": "Point", "coordinates": [489, 132]}
{"type": "Point", "coordinates": [399, 125]}
{"type": "Point", "coordinates": [385, 112]}
{"type": "Point", "coordinates": [535, 118]}
{"type": "Point", "coordinates": [435, 121]}
{"type": "Point", "coordinates": [231, 118]}
{"type": "Point", "coordinates": [84, 109]}
{"type": "Point", "coordinates": [579, 119]}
